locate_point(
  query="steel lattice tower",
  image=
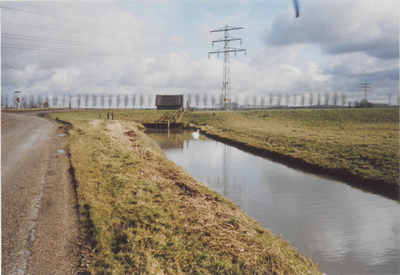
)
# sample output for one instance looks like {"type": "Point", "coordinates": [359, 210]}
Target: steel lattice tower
{"type": "Point", "coordinates": [226, 82]}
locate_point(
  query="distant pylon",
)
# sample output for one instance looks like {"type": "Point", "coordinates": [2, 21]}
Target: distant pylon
{"type": "Point", "coordinates": [366, 87]}
{"type": "Point", "coordinates": [226, 82]}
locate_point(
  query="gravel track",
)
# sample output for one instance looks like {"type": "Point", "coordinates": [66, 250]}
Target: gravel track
{"type": "Point", "coordinates": [38, 209]}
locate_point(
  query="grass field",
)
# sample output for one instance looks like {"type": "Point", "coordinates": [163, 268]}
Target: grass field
{"type": "Point", "coordinates": [362, 141]}
{"type": "Point", "coordinates": [145, 215]}
{"type": "Point", "coordinates": [361, 145]}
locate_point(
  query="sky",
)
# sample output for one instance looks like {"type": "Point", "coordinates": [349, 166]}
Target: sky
{"type": "Point", "coordinates": [162, 47]}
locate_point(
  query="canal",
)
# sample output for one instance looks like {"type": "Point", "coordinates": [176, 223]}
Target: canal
{"type": "Point", "coordinates": [346, 230]}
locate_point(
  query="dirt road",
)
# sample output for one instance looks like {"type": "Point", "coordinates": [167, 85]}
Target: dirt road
{"type": "Point", "coordinates": [38, 208]}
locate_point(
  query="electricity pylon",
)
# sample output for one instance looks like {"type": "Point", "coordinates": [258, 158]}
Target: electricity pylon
{"type": "Point", "coordinates": [226, 81]}
{"type": "Point", "coordinates": [366, 87]}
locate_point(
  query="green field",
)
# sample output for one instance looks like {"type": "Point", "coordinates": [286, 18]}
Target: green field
{"type": "Point", "coordinates": [360, 146]}
{"type": "Point", "coordinates": [145, 215]}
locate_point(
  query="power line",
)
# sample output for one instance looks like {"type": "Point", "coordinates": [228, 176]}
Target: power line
{"type": "Point", "coordinates": [92, 34]}
{"type": "Point", "coordinates": [85, 52]}
{"type": "Point", "coordinates": [74, 43]}
{"type": "Point", "coordinates": [98, 24]}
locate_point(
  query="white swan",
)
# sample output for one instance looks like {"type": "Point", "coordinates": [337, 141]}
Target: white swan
{"type": "Point", "coordinates": [196, 135]}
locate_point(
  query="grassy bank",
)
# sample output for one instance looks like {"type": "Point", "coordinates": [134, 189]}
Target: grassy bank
{"type": "Point", "coordinates": [144, 214]}
{"type": "Point", "coordinates": [360, 145]}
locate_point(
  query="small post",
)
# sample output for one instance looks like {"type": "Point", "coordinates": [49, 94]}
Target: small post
{"type": "Point", "coordinates": [217, 123]}
{"type": "Point", "coordinates": [108, 115]}
{"type": "Point", "coordinates": [112, 116]}
{"type": "Point", "coordinates": [100, 116]}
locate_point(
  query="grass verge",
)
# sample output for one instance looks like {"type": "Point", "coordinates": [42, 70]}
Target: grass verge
{"type": "Point", "coordinates": [144, 214]}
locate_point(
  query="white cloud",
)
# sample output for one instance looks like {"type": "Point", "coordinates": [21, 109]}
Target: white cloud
{"type": "Point", "coordinates": [342, 26]}
{"type": "Point", "coordinates": [135, 47]}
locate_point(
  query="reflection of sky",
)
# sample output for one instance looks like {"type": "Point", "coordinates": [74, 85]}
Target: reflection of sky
{"type": "Point", "coordinates": [344, 229]}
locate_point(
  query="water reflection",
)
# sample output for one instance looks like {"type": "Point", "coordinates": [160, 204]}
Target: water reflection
{"type": "Point", "coordinates": [346, 230]}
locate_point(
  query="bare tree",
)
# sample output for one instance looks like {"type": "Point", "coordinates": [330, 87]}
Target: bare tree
{"type": "Point", "coordinates": [262, 100]}
{"type": "Point", "coordinates": [110, 101]}
{"type": "Point", "coordinates": [78, 100]}
{"type": "Point", "coordinates": [31, 101]}
{"type": "Point", "coordinates": [63, 100]}
{"type": "Point", "coordinates": [47, 99]}
{"type": "Point", "coordinates": [343, 98]}
{"type": "Point", "coordinates": [270, 99]}
{"type": "Point", "coordinates": [319, 99]}
{"type": "Point", "coordinates": [102, 100]}
{"type": "Point", "coordinates": [86, 100]}
{"type": "Point", "coordinates": [294, 99]}
{"type": "Point", "coordinates": [311, 99]}
{"type": "Point", "coordinates": [279, 99]}
{"type": "Point", "coordinates": [94, 100]}
{"type": "Point", "coordinates": [133, 101]}
{"type": "Point", "coordinates": [118, 100]}
{"type": "Point", "coordinates": [335, 99]}
{"type": "Point", "coordinates": [254, 100]}
{"type": "Point", "coordinates": [287, 99]}
{"type": "Point", "coordinates": [189, 98]}
{"type": "Point", "coordinates": [70, 101]}
{"type": "Point", "coordinates": [141, 100]}
{"type": "Point", "coordinates": [6, 101]}
{"type": "Point", "coordinates": [197, 99]}
{"type": "Point", "coordinates": [126, 100]}
{"type": "Point", "coordinates": [302, 99]}
{"type": "Point", "coordinates": [205, 99]}
{"type": "Point", "coordinates": [247, 101]}
{"type": "Point", "coordinates": [213, 100]}
{"type": "Point", "coordinates": [149, 99]}
{"type": "Point", "coordinates": [326, 99]}
{"type": "Point", "coordinates": [24, 101]}
{"type": "Point", "coordinates": [39, 101]}
{"type": "Point", "coordinates": [55, 100]}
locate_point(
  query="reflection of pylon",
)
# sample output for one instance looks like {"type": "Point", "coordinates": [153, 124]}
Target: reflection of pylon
{"type": "Point", "coordinates": [226, 82]}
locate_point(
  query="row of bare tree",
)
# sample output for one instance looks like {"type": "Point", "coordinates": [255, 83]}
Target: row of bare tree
{"type": "Point", "coordinates": [309, 99]}
{"type": "Point", "coordinates": [109, 101]}
{"type": "Point", "coordinates": [78, 101]}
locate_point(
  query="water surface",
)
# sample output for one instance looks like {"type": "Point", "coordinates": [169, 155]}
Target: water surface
{"type": "Point", "coordinates": [346, 230]}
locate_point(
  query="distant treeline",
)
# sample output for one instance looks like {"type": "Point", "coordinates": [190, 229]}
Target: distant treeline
{"type": "Point", "coordinates": [133, 101]}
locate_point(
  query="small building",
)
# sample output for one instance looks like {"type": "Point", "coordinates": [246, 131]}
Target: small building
{"type": "Point", "coordinates": [169, 102]}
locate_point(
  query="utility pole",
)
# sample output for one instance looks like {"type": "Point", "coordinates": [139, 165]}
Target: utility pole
{"type": "Point", "coordinates": [226, 82]}
{"type": "Point", "coordinates": [366, 87]}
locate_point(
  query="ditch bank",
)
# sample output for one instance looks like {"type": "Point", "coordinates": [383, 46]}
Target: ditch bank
{"type": "Point", "coordinates": [390, 191]}
{"type": "Point", "coordinates": [145, 214]}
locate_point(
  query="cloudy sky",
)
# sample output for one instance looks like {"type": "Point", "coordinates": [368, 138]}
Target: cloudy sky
{"type": "Point", "coordinates": [161, 47]}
